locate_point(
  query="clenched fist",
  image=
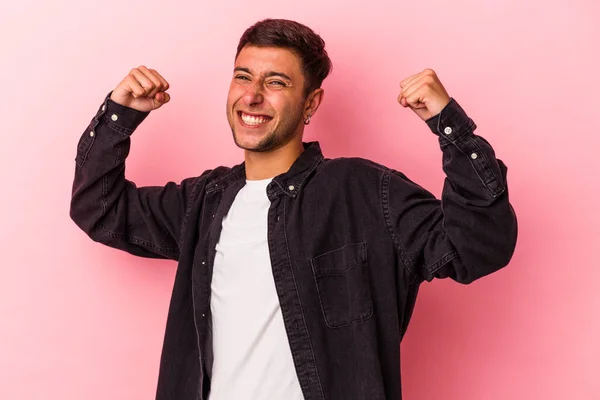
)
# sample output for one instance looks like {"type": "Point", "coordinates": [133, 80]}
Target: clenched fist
{"type": "Point", "coordinates": [424, 94]}
{"type": "Point", "coordinates": [142, 89]}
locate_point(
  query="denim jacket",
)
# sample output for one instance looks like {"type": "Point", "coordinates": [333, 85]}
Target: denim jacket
{"type": "Point", "coordinates": [350, 242]}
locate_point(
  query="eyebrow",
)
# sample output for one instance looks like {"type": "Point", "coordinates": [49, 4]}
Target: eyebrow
{"type": "Point", "coordinates": [267, 75]}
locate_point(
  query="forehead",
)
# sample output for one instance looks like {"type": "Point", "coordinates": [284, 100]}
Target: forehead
{"type": "Point", "coordinates": [262, 60]}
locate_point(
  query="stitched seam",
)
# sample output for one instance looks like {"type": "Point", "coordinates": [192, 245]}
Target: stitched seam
{"type": "Point", "coordinates": [312, 265]}
{"type": "Point", "coordinates": [474, 169]}
{"type": "Point", "coordinates": [119, 153]}
{"type": "Point", "coordinates": [445, 259]}
{"type": "Point", "coordinates": [82, 157]}
{"type": "Point", "coordinates": [287, 248]}
{"type": "Point", "coordinates": [187, 213]}
{"type": "Point", "coordinates": [310, 170]}
{"type": "Point", "coordinates": [464, 131]}
{"type": "Point", "coordinates": [316, 275]}
{"type": "Point", "coordinates": [486, 160]}
{"type": "Point", "coordinates": [481, 154]}
{"type": "Point", "coordinates": [201, 380]}
{"type": "Point", "coordinates": [330, 273]}
{"type": "Point", "coordinates": [130, 239]}
{"type": "Point", "coordinates": [471, 161]}
{"type": "Point", "coordinates": [386, 176]}
{"type": "Point", "coordinates": [362, 258]}
{"type": "Point", "coordinates": [103, 195]}
{"type": "Point", "coordinates": [139, 241]}
{"type": "Point", "coordinates": [232, 176]}
{"type": "Point", "coordinates": [82, 154]}
{"type": "Point", "coordinates": [304, 177]}
{"type": "Point", "coordinates": [118, 128]}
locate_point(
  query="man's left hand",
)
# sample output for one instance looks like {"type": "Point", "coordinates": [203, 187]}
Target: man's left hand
{"type": "Point", "coordinates": [424, 94]}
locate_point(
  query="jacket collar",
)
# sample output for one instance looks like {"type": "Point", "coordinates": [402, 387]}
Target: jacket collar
{"type": "Point", "coordinates": [290, 182]}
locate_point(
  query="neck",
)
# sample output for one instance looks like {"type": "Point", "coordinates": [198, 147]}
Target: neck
{"type": "Point", "coordinates": [265, 165]}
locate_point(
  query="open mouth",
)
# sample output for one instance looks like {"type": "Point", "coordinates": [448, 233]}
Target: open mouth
{"type": "Point", "coordinates": [253, 120]}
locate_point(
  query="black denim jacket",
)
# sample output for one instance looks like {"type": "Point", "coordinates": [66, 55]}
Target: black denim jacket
{"type": "Point", "coordinates": [350, 242]}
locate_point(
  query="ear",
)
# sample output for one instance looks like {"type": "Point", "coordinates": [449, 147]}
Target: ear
{"type": "Point", "coordinates": [313, 101]}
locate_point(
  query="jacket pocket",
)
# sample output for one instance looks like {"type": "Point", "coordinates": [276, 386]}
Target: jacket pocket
{"type": "Point", "coordinates": [343, 285]}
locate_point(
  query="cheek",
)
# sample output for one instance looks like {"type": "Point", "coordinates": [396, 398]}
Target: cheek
{"type": "Point", "coordinates": [232, 96]}
{"type": "Point", "coordinates": [230, 101]}
{"type": "Point", "coordinates": [280, 104]}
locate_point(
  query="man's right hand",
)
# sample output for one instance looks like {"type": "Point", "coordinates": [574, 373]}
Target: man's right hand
{"type": "Point", "coordinates": [142, 89]}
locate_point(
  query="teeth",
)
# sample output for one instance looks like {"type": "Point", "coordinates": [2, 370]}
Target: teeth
{"type": "Point", "coordinates": [252, 120]}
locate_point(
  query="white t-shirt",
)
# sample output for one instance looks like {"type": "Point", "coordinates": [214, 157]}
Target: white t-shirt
{"type": "Point", "coordinates": [252, 357]}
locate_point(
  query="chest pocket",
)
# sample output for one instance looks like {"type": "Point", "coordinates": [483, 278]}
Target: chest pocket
{"type": "Point", "coordinates": [342, 282]}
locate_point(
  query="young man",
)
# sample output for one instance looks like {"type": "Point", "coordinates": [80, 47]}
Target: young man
{"type": "Point", "coordinates": [297, 274]}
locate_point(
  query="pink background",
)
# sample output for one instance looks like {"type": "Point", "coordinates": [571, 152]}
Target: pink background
{"type": "Point", "coordinates": [82, 321]}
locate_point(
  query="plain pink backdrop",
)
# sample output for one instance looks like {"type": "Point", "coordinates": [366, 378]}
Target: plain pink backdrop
{"type": "Point", "coordinates": [82, 321]}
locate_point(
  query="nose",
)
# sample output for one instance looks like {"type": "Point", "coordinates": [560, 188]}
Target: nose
{"type": "Point", "coordinates": [253, 94]}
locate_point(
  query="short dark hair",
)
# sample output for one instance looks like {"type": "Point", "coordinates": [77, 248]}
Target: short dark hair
{"type": "Point", "coordinates": [299, 39]}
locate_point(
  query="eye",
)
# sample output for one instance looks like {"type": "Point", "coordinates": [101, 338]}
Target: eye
{"type": "Point", "coordinates": [242, 77]}
{"type": "Point", "coordinates": [277, 83]}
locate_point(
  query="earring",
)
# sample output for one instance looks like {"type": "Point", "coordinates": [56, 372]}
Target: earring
{"type": "Point", "coordinates": [307, 120]}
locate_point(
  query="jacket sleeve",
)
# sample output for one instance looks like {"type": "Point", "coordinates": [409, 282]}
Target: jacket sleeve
{"type": "Point", "coordinates": [145, 221]}
{"type": "Point", "coordinates": [472, 231]}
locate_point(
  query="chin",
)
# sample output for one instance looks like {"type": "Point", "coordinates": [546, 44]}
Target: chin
{"type": "Point", "coordinates": [257, 144]}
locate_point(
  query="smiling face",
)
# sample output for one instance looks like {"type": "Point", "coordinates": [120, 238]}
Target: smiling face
{"type": "Point", "coordinates": [266, 100]}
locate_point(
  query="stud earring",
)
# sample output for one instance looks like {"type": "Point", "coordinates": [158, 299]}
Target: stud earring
{"type": "Point", "coordinates": [307, 120]}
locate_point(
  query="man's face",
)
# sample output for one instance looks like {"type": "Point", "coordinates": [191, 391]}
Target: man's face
{"type": "Point", "coordinates": [266, 98]}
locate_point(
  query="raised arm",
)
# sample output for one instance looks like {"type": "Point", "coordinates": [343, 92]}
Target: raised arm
{"type": "Point", "coordinates": [472, 231]}
{"type": "Point", "coordinates": [145, 221]}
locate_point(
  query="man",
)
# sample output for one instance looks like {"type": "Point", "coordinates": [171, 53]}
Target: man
{"type": "Point", "coordinates": [297, 274]}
